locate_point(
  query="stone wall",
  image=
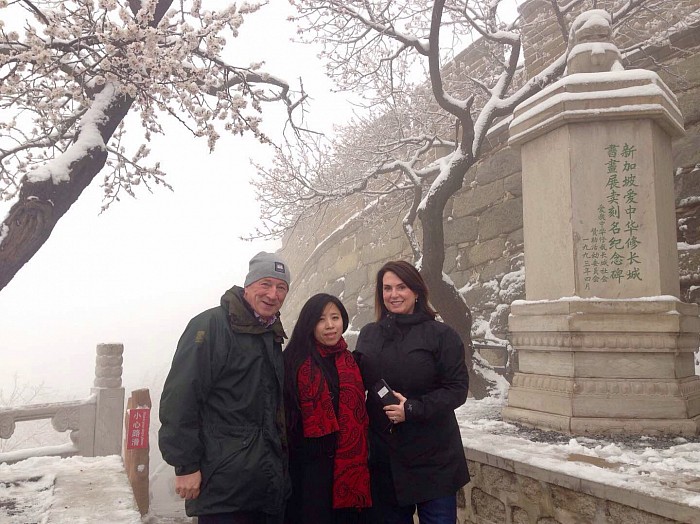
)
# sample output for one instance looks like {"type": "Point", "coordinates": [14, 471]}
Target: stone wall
{"type": "Point", "coordinates": [339, 253]}
{"type": "Point", "coordinates": [542, 38]}
{"type": "Point", "coordinates": [507, 491]}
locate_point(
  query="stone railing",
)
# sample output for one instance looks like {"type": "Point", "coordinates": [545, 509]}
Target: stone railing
{"type": "Point", "coordinates": [95, 423]}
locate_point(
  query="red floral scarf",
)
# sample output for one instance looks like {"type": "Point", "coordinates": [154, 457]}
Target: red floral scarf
{"type": "Point", "coordinates": [350, 472]}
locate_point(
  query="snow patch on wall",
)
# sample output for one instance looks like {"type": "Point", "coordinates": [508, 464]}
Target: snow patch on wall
{"type": "Point", "coordinates": [4, 230]}
{"type": "Point", "coordinates": [666, 470]}
{"type": "Point", "coordinates": [512, 286]}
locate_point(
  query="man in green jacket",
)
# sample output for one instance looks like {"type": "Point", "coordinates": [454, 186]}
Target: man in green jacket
{"type": "Point", "coordinates": [221, 412]}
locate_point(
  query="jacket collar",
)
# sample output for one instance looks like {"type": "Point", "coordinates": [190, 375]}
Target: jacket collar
{"type": "Point", "coordinates": [243, 319]}
{"type": "Point", "coordinates": [393, 325]}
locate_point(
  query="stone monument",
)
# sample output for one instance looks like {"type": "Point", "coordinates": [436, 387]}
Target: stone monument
{"type": "Point", "coordinates": [604, 344]}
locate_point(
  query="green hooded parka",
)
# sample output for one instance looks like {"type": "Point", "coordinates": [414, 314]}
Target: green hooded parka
{"type": "Point", "coordinates": [221, 410]}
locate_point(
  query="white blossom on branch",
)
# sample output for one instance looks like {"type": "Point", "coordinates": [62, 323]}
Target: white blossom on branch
{"type": "Point", "coordinates": [70, 73]}
{"type": "Point", "coordinates": [54, 65]}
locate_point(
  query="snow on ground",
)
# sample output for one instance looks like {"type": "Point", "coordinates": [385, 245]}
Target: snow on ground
{"type": "Point", "coordinates": [82, 490]}
{"type": "Point", "coordinates": [76, 490]}
{"type": "Point", "coordinates": [667, 468]}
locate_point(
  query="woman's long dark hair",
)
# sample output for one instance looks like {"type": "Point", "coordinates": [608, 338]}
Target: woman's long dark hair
{"type": "Point", "coordinates": [412, 278]}
{"type": "Point", "coordinates": [301, 346]}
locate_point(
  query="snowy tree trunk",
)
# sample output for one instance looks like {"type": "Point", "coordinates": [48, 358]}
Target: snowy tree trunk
{"type": "Point", "coordinates": [443, 294]}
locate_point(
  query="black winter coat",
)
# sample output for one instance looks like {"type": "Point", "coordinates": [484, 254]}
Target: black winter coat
{"type": "Point", "coordinates": [221, 410]}
{"type": "Point", "coordinates": [422, 359]}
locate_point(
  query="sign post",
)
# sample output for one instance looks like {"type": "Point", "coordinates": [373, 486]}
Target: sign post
{"type": "Point", "coordinates": [136, 446]}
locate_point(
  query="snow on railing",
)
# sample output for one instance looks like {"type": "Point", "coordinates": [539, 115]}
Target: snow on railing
{"type": "Point", "coordinates": [95, 423]}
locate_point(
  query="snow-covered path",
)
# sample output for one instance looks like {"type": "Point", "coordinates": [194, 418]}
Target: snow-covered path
{"type": "Point", "coordinates": [76, 490]}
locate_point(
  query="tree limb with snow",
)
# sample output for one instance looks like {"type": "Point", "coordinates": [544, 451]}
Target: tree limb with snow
{"type": "Point", "coordinates": [70, 72]}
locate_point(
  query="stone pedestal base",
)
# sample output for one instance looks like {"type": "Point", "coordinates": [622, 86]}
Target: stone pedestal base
{"type": "Point", "coordinates": [598, 366]}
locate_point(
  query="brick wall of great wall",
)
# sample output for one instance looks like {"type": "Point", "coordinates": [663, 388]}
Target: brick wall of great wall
{"type": "Point", "coordinates": [484, 239]}
{"type": "Point", "coordinates": [506, 491]}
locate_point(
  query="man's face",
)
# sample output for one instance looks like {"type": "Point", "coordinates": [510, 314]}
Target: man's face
{"type": "Point", "coordinates": [266, 295]}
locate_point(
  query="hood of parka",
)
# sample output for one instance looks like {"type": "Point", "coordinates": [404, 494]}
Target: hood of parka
{"type": "Point", "coordinates": [242, 317]}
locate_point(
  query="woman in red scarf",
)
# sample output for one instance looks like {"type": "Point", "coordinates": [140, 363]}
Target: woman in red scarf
{"type": "Point", "coordinates": [326, 419]}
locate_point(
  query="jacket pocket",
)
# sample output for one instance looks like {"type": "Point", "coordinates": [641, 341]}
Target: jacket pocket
{"type": "Point", "coordinates": [421, 444]}
{"type": "Point", "coordinates": [223, 445]}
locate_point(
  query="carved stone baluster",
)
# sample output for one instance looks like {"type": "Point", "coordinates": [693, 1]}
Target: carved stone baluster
{"type": "Point", "coordinates": [66, 418]}
{"type": "Point", "coordinates": [108, 365]}
{"type": "Point", "coordinates": [7, 425]}
{"type": "Point", "coordinates": [110, 399]}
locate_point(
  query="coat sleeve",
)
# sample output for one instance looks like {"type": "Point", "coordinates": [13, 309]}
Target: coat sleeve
{"type": "Point", "coordinates": [358, 354]}
{"type": "Point", "coordinates": [184, 393]}
{"type": "Point", "coordinates": [452, 381]}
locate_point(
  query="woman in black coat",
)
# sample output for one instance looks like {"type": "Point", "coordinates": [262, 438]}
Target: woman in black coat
{"type": "Point", "coordinates": [417, 460]}
{"type": "Point", "coordinates": [326, 419]}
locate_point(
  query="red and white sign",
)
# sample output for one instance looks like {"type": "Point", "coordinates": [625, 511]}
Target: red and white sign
{"type": "Point", "coordinates": [137, 431]}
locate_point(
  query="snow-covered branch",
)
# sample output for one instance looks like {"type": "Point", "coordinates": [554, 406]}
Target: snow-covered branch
{"type": "Point", "coordinates": [167, 62]}
{"type": "Point", "coordinates": [70, 72]}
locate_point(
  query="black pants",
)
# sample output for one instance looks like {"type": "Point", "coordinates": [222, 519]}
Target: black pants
{"type": "Point", "coordinates": [312, 498]}
{"type": "Point", "coordinates": [240, 517]}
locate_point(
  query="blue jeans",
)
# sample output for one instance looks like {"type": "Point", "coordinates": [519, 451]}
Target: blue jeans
{"type": "Point", "coordinates": [436, 511]}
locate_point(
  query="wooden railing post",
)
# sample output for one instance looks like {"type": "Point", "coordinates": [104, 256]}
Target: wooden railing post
{"type": "Point", "coordinates": [136, 445]}
{"type": "Point", "coordinates": [110, 399]}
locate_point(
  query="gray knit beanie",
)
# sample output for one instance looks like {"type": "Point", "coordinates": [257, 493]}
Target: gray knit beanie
{"type": "Point", "coordinates": [264, 265]}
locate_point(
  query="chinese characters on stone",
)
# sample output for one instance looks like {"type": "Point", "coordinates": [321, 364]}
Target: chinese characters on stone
{"type": "Point", "coordinates": [610, 251]}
